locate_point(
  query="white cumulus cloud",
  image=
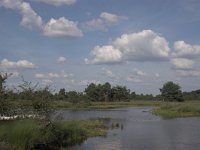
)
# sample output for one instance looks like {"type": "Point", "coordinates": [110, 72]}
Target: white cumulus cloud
{"type": "Point", "coordinates": [185, 50]}
{"type": "Point", "coordinates": [20, 64]}
{"type": "Point", "coordinates": [182, 63]}
{"type": "Point", "coordinates": [142, 46]}
{"type": "Point", "coordinates": [30, 18]}
{"type": "Point", "coordinates": [57, 2]}
{"type": "Point", "coordinates": [104, 54]}
{"type": "Point", "coordinates": [62, 27]}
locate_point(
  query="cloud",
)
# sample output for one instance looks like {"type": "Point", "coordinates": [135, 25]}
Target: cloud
{"type": "Point", "coordinates": [62, 28]}
{"type": "Point", "coordinates": [87, 82]}
{"type": "Point", "coordinates": [185, 50]}
{"type": "Point", "coordinates": [48, 75]}
{"type": "Point", "coordinates": [111, 19]}
{"type": "Point", "coordinates": [40, 75]}
{"type": "Point", "coordinates": [104, 54]}
{"type": "Point", "coordinates": [66, 75]}
{"type": "Point", "coordinates": [95, 24]}
{"type": "Point", "coordinates": [30, 18]}
{"type": "Point", "coordinates": [61, 60]}
{"type": "Point", "coordinates": [157, 75]}
{"type": "Point", "coordinates": [132, 79]}
{"type": "Point", "coordinates": [20, 64]}
{"type": "Point", "coordinates": [57, 2]}
{"type": "Point", "coordinates": [188, 73]}
{"type": "Point", "coordinates": [139, 72]}
{"type": "Point", "coordinates": [142, 46]}
{"type": "Point", "coordinates": [182, 63]}
{"type": "Point", "coordinates": [46, 82]}
{"type": "Point", "coordinates": [104, 21]}
{"type": "Point", "coordinates": [110, 74]}
{"type": "Point", "coordinates": [63, 75]}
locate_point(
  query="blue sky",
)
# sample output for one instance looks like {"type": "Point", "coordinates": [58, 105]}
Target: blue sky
{"type": "Point", "coordinates": [71, 43]}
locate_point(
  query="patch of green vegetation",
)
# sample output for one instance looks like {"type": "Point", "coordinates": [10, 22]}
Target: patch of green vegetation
{"type": "Point", "coordinates": [36, 134]}
{"type": "Point", "coordinates": [177, 109]}
{"type": "Point", "coordinates": [104, 105]}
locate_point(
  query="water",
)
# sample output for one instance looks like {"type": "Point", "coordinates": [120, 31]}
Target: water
{"type": "Point", "coordinates": [141, 131]}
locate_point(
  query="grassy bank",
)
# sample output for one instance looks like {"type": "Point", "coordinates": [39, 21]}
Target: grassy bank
{"type": "Point", "coordinates": [103, 105]}
{"type": "Point", "coordinates": [34, 134]}
{"type": "Point", "coordinates": [178, 109]}
{"type": "Point", "coordinates": [166, 109]}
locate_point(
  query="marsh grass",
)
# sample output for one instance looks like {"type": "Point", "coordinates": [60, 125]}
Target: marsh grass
{"type": "Point", "coordinates": [35, 134]}
{"type": "Point", "coordinates": [178, 109]}
{"type": "Point", "coordinates": [103, 105]}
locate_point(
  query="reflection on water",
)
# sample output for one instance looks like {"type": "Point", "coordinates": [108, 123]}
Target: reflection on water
{"type": "Point", "coordinates": [135, 128]}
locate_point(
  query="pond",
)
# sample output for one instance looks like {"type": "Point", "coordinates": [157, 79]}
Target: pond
{"type": "Point", "coordinates": [140, 130]}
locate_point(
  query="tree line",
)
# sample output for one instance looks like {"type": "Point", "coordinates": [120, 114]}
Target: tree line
{"type": "Point", "coordinates": [105, 92]}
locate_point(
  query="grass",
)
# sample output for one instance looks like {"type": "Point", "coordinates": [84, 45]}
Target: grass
{"type": "Point", "coordinates": [103, 105]}
{"type": "Point", "coordinates": [35, 134]}
{"type": "Point", "coordinates": [178, 109]}
{"type": "Point", "coordinates": [166, 109]}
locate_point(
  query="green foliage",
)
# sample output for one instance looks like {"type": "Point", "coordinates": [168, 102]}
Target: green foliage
{"type": "Point", "coordinates": [32, 134]}
{"type": "Point", "coordinates": [175, 109]}
{"type": "Point", "coordinates": [104, 92]}
{"type": "Point", "coordinates": [171, 92]}
{"type": "Point", "coordinates": [193, 95]}
{"type": "Point", "coordinates": [4, 105]}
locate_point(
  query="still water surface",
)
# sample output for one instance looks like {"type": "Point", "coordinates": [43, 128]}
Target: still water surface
{"type": "Point", "coordinates": [141, 130]}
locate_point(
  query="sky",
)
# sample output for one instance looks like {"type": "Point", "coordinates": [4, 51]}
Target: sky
{"type": "Point", "coordinates": [69, 44]}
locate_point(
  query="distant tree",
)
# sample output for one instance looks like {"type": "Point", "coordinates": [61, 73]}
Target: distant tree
{"type": "Point", "coordinates": [73, 96]}
{"type": "Point", "coordinates": [106, 90]}
{"type": "Point", "coordinates": [41, 102]}
{"type": "Point", "coordinates": [132, 95]}
{"type": "Point", "coordinates": [62, 94]}
{"type": "Point", "coordinates": [4, 107]}
{"type": "Point", "coordinates": [120, 93]}
{"type": "Point", "coordinates": [92, 92]}
{"type": "Point", "coordinates": [171, 92]}
{"type": "Point", "coordinates": [27, 90]}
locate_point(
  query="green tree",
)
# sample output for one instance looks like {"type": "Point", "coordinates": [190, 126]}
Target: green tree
{"type": "Point", "coordinates": [62, 94]}
{"type": "Point", "coordinates": [41, 102]}
{"type": "Point", "coordinates": [73, 96]}
{"type": "Point", "coordinates": [4, 107]}
{"type": "Point", "coordinates": [120, 93]}
{"type": "Point", "coordinates": [105, 90]}
{"type": "Point", "coordinates": [92, 92]}
{"type": "Point", "coordinates": [171, 92]}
